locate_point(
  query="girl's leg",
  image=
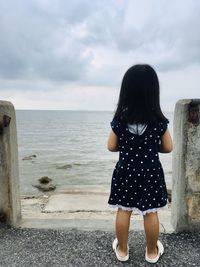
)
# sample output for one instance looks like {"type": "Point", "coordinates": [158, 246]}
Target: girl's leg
{"type": "Point", "coordinates": [151, 225]}
{"type": "Point", "coordinates": [122, 230]}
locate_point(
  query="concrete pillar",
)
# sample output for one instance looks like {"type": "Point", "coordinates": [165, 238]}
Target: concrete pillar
{"type": "Point", "coordinates": [185, 204]}
{"type": "Point", "coordinates": [10, 204]}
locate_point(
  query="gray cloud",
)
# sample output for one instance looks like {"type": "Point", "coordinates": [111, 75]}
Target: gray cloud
{"type": "Point", "coordinates": [38, 43]}
{"type": "Point", "coordinates": [58, 40]}
{"type": "Point", "coordinates": [167, 35]}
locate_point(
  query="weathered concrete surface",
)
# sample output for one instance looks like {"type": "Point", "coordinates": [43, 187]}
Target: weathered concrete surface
{"type": "Point", "coordinates": [66, 210]}
{"type": "Point", "coordinates": [77, 202]}
{"type": "Point", "coordinates": [72, 247]}
{"type": "Point", "coordinates": [186, 167]}
{"type": "Point", "coordinates": [10, 205]}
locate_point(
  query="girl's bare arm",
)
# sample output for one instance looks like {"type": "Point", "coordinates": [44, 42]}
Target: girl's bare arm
{"type": "Point", "coordinates": [112, 143]}
{"type": "Point", "coordinates": [166, 145]}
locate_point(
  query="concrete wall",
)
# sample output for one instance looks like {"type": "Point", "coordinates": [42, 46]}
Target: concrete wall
{"type": "Point", "coordinates": [186, 166]}
{"type": "Point", "coordinates": [10, 204]}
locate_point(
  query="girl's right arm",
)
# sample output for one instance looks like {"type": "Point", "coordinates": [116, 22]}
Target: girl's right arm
{"type": "Point", "coordinates": [166, 145]}
{"type": "Point", "coordinates": [112, 143]}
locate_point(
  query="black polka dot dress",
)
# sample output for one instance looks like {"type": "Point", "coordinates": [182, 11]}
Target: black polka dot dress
{"type": "Point", "coordinates": [138, 181]}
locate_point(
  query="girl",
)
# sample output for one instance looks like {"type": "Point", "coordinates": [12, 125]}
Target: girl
{"type": "Point", "coordinates": [139, 131]}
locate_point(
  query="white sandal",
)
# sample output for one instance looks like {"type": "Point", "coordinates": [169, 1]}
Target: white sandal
{"type": "Point", "coordinates": [160, 252]}
{"type": "Point", "coordinates": [120, 258]}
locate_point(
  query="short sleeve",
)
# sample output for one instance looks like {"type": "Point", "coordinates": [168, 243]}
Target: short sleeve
{"type": "Point", "coordinates": [163, 126]}
{"type": "Point", "coordinates": [116, 126]}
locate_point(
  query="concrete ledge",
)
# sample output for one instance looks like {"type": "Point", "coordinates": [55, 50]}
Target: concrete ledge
{"type": "Point", "coordinates": [86, 224]}
{"type": "Point", "coordinates": [75, 211]}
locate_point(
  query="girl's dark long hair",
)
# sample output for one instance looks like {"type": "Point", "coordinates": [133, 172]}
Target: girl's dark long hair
{"type": "Point", "coordinates": [139, 98]}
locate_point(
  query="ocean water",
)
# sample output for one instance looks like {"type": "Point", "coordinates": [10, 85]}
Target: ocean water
{"type": "Point", "coordinates": [70, 148]}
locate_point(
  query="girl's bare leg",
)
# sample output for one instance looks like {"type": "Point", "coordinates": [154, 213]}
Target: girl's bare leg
{"type": "Point", "coordinates": [151, 225]}
{"type": "Point", "coordinates": [122, 230]}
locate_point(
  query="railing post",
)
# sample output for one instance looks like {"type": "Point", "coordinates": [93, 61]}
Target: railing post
{"type": "Point", "coordinates": [10, 203]}
{"type": "Point", "coordinates": [185, 204]}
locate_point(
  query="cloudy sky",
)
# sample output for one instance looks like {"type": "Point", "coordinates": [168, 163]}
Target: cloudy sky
{"type": "Point", "coordinates": [57, 54]}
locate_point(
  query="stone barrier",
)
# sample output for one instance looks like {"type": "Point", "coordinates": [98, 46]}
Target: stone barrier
{"type": "Point", "coordinates": [10, 203]}
{"type": "Point", "coordinates": [185, 213]}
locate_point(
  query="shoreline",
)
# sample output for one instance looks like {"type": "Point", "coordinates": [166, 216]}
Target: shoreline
{"type": "Point", "coordinates": [81, 189]}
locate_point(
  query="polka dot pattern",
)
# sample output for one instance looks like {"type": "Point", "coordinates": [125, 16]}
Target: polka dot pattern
{"type": "Point", "coordinates": [138, 181]}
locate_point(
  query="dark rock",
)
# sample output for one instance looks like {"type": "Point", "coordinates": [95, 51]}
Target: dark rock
{"type": "Point", "coordinates": [29, 157]}
{"type": "Point", "coordinates": [45, 184]}
{"type": "Point", "coordinates": [67, 166]}
{"type": "Point", "coordinates": [45, 180]}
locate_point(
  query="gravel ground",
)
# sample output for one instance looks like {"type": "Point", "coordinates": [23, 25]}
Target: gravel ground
{"type": "Point", "coordinates": [46, 247]}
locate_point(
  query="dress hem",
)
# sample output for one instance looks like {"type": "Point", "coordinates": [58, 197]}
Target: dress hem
{"type": "Point", "coordinates": [136, 210]}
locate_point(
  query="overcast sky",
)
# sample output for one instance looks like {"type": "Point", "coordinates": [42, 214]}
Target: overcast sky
{"type": "Point", "coordinates": [73, 54]}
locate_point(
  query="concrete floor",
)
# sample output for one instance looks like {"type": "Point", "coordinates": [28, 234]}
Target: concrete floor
{"type": "Point", "coordinates": [83, 209]}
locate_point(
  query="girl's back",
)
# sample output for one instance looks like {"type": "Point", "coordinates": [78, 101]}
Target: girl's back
{"type": "Point", "coordinates": [138, 176]}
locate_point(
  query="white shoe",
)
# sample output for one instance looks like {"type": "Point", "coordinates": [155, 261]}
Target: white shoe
{"type": "Point", "coordinates": [120, 258]}
{"type": "Point", "coordinates": [160, 252]}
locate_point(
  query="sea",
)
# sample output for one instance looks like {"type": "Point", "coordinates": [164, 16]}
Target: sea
{"type": "Point", "coordinates": [70, 147]}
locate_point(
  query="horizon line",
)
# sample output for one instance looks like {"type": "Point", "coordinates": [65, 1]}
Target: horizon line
{"type": "Point", "coordinates": [88, 110]}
